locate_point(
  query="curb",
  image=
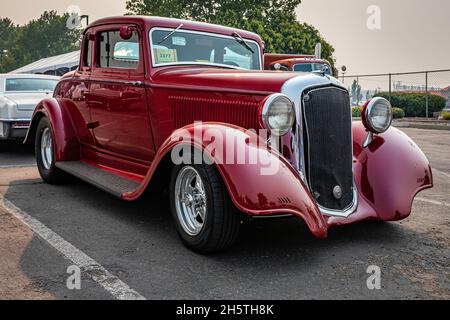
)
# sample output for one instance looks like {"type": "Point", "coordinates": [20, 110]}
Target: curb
{"type": "Point", "coordinates": [413, 125]}
{"type": "Point", "coordinates": [421, 126]}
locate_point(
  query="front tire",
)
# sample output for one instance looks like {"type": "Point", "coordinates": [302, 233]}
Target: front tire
{"type": "Point", "coordinates": [204, 215]}
{"type": "Point", "coordinates": [45, 154]}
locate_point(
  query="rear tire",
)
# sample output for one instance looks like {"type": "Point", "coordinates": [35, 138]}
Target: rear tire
{"type": "Point", "coordinates": [45, 154]}
{"type": "Point", "coordinates": [218, 228]}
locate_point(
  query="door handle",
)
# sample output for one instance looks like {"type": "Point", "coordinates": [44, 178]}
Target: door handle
{"type": "Point", "coordinates": [135, 83]}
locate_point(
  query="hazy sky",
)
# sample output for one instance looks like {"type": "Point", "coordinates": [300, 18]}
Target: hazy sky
{"type": "Point", "coordinates": [414, 34]}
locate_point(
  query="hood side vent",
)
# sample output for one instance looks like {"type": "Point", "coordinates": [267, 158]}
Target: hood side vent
{"type": "Point", "coordinates": [187, 110]}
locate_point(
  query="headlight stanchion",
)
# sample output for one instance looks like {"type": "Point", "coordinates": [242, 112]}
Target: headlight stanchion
{"type": "Point", "coordinates": [377, 117]}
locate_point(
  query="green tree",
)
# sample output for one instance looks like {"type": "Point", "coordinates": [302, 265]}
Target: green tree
{"type": "Point", "coordinates": [44, 37]}
{"type": "Point", "coordinates": [212, 10]}
{"type": "Point", "coordinates": [274, 20]}
{"type": "Point", "coordinates": [7, 39]}
{"type": "Point", "coordinates": [6, 30]}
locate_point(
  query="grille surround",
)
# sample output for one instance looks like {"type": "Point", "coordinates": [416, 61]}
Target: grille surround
{"type": "Point", "coordinates": [328, 102]}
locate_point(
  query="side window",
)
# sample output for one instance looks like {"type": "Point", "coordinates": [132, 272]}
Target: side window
{"type": "Point", "coordinates": [87, 52]}
{"type": "Point", "coordinates": [114, 52]}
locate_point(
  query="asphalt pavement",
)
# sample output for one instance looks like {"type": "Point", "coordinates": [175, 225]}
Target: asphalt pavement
{"type": "Point", "coordinates": [135, 246]}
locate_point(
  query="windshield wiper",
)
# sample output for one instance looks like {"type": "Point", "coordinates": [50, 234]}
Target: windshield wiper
{"type": "Point", "coordinates": [170, 34]}
{"type": "Point", "coordinates": [242, 42]}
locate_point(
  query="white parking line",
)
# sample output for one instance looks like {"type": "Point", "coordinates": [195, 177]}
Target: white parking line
{"type": "Point", "coordinates": [93, 269]}
{"type": "Point", "coordinates": [18, 166]}
{"type": "Point", "coordinates": [439, 203]}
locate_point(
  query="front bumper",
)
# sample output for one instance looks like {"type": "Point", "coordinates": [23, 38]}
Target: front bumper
{"type": "Point", "coordinates": [14, 130]}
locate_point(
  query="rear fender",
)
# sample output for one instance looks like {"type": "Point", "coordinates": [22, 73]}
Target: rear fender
{"type": "Point", "coordinates": [67, 147]}
{"type": "Point", "coordinates": [268, 186]}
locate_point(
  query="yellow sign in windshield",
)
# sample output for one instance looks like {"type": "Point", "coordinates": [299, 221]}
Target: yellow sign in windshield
{"type": "Point", "coordinates": [165, 55]}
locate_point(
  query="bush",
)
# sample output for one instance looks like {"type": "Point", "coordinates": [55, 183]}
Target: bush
{"type": "Point", "coordinates": [446, 115]}
{"type": "Point", "coordinates": [398, 113]}
{"type": "Point", "coordinates": [356, 112]}
{"type": "Point", "coordinates": [414, 103]}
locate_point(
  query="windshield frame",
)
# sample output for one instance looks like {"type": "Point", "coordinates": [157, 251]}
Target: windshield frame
{"type": "Point", "coordinates": [27, 91]}
{"type": "Point", "coordinates": [212, 64]}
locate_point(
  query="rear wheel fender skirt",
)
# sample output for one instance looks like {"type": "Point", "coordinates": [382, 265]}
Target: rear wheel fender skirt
{"type": "Point", "coordinates": [268, 186]}
{"type": "Point", "coordinates": [66, 142]}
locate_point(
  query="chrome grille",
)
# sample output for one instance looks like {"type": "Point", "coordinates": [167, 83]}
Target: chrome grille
{"type": "Point", "coordinates": [327, 135]}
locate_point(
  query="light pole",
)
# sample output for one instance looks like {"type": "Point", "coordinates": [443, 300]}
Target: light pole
{"type": "Point", "coordinates": [344, 70]}
{"type": "Point", "coordinates": [3, 52]}
{"type": "Point", "coordinates": [85, 16]}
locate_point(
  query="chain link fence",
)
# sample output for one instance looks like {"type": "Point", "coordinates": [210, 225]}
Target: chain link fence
{"type": "Point", "coordinates": [364, 87]}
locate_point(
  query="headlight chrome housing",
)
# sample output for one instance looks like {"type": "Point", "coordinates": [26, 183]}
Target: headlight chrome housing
{"type": "Point", "coordinates": [377, 115]}
{"type": "Point", "coordinates": [278, 114]}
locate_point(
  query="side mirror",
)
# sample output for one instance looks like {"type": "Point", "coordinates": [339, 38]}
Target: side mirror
{"type": "Point", "coordinates": [126, 32]}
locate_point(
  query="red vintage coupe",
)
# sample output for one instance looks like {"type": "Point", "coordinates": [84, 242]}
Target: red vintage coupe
{"type": "Point", "coordinates": [171, 104]}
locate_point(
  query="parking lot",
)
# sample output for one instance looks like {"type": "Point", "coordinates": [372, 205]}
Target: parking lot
{"type": "Point", "coordinates": [135, 246]}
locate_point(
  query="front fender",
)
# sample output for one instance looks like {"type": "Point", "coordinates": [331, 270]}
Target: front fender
{"type": "Point", "coordinates": [66, 141]}
{"type": "Point", "coordinates": [389, 174]}
{"type": "Point", "coordinates": [268, 186]}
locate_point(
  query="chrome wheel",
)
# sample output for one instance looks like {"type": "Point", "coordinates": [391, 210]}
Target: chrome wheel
{"type": "Point", "coordinates": [47, 148]}
{"type": "Point", "coordinates": [190, 200]}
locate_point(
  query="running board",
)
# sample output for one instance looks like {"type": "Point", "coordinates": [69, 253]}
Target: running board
{"type": "Point", "coordinates": [99, 178]}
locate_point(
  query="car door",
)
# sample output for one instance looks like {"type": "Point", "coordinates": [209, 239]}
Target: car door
{"type": "Point", "coordinates": [79, 92]}
{"type": "Point", "coordinates": [117, 97]}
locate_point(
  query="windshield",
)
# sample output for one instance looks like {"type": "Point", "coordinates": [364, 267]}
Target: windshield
{"type": "Point", "coordinates": [13, 85]}
{"type": "Point", "coordinates": [310, 67]}
{"type": "Point", "coordinates": [190, 47]}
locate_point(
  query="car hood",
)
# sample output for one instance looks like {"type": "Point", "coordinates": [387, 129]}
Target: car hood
{"type": "Point", "coordinates": [224, 79]}
{"type": "Point", "coordinates": [27, 101]}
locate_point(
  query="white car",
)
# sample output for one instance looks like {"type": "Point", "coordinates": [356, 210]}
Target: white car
{"type": "Point", "coordinates": [19, 95]}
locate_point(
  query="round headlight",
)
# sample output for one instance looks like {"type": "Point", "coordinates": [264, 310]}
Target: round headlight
{"type": "Point", "coordinates": [278, 114]}
{"type": "Point", "coordinates": [377, 115]}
